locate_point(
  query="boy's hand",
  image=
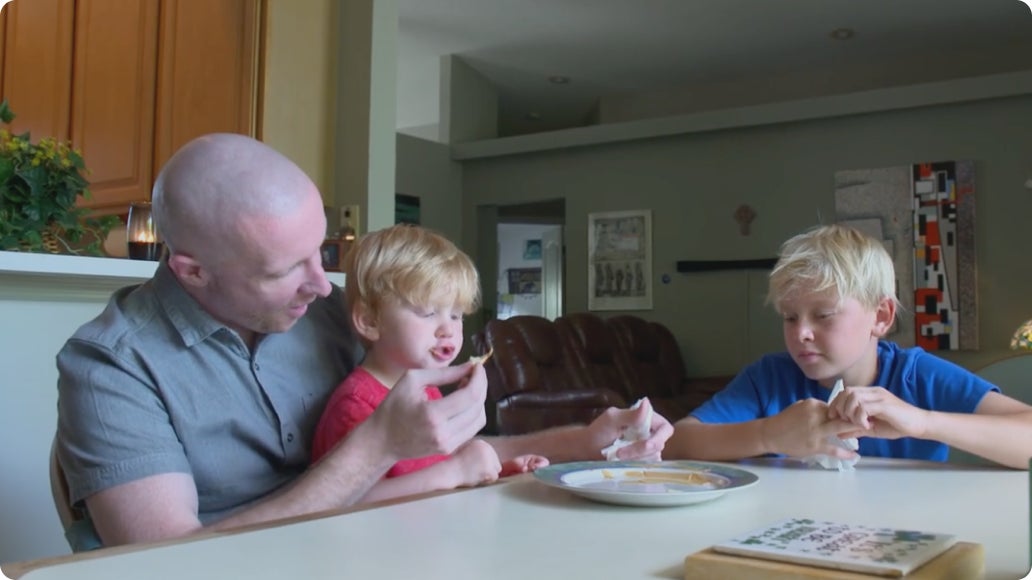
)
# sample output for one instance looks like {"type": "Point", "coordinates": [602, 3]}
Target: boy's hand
{"type": "Point", "coordinates": [875, 412]}
{"type": "Point", "coordinates": [802, 430]}
{"type": "Point", "coordinates": [475, 463]}
{"type": "Point", "coordinates": [523, 464]}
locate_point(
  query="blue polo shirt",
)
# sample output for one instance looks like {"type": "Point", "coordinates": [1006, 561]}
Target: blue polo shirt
{"type": "Point", "coordinates": [773, 383]}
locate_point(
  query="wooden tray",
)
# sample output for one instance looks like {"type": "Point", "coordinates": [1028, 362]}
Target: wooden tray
{"type": "Point", "coordinates": [964, 561]}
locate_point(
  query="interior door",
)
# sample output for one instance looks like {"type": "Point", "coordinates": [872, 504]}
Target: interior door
{"type": "Point", "coordinates": [552, 273]}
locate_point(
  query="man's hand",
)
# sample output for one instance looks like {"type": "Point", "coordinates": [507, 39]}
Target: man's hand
{"type": "Point", "coordinates": [413, 426]}
{"type": "Point", "coordinates": [875, 412]}
{"type": "Point", "coordinates": [803, 429]}
{"type": "Point", "coordinates": [608, 426]}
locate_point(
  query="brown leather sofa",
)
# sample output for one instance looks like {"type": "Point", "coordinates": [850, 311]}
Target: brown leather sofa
{"type": "Point", "coordinates": [545, 374]}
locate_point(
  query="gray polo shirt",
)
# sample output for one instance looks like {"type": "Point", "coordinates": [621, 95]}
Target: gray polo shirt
{"type": "Point", "coordinates": [156, 385]}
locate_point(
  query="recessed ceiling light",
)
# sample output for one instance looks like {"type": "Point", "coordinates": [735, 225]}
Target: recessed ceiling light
{"type": "Point", "coordinates": [559, 80]}
{"type": "Point", "coordinates": [842, 33]}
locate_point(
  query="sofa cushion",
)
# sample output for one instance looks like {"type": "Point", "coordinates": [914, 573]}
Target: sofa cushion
{"type": "Point", "coordinates": [597, 352]}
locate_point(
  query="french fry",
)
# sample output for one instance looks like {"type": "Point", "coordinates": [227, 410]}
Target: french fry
{"type": "Point", "coordinates": [481, 359]}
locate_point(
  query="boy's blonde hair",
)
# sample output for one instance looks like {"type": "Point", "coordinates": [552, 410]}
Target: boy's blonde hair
{"type": "Point", "coordinates": [834, 256]}
{"type": "Point", "coordinates": [410, 264]}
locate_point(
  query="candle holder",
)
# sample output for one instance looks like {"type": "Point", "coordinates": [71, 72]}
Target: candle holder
{"type": "Point", "coordinates": [143, 240]}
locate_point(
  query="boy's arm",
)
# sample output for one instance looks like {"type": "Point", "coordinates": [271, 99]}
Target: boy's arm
{"type": "Point", "coordinates": [799, 431]}
{"type": "Point", "coordinates": [694, 439]}
{"type": "Point", "coordinates": [1000, 429]}
{"type": "Point", "coordinates": [585, 442]}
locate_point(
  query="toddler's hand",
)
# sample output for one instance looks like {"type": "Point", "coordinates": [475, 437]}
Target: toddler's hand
{"type": "Point", "coordinates": [475, 463]}
{"type": "Point", "coordinates": [523, 464]}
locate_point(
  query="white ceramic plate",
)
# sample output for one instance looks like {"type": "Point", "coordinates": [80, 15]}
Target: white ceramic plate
{"type": "Point", "coordinates": [666, 483]}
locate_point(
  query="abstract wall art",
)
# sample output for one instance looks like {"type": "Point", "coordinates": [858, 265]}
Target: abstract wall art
{"type": "Point", "coordinates": [924, 213]}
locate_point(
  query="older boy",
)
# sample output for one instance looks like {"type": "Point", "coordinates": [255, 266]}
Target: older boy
{"type": "Point", "coordinates": [835, 289]}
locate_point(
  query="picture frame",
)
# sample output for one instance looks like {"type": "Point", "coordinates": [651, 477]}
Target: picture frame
{"type": "Point", "coordinates": [406, 209]}
{"type": "Point", "coordinates": [332, 252]}
{"type": "Point", "coordinates": [532, 250]}
{"type": "Point", "coordinates": [524, 280]}
{"type": "Point", "coordinates": [620, 260]}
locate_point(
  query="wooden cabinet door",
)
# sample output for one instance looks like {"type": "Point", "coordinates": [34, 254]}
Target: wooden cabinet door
{"type": "Point", "coordinates": [37, 65]}
{"type": "Point", "coordinates": [93, 71]}
{"type": "Point", "coordinates": [113, 98]}
{"type": "Point", "coordinates": [207, 71]}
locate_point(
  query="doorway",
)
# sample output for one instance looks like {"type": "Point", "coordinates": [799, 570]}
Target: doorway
{"type": "Point", "coordinates": [523, 246]}
{"type": "Point", "coordinates": [529, 270]}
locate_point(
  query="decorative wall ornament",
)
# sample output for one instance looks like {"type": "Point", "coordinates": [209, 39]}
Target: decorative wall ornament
{"type": "Point", "coordinates": [744, 215]}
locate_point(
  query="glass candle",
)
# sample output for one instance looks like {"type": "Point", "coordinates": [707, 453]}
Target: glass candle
{"type": "Point", "coordinates": [142, 237]}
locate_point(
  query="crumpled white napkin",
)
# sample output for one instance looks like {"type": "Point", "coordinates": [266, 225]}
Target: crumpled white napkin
{"type": "Point", "coordinates": [631, 433]}
{"type": "Point", "coordinates": [851, 443]}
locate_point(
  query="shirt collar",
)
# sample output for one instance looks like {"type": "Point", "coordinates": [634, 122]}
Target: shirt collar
{"type": "Point", "coordinates": [190, 320]}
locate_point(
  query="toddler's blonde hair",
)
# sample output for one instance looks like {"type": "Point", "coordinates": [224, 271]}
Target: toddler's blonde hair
{"type": "Point", "coordinates": [411, 264]}
{"type": "Point", "coordinates": [834, 257]}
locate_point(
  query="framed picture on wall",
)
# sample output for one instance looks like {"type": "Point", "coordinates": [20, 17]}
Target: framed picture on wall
{"type": "Point", "coordinates": [620, 260]}
{"type": "Point", "coordinates": [332, 252]}
{"type": "Point", "coordinates": [532, 250]}
{"type": "Point", "coordinates": [524, 280]}
{"type": "Point", "coordinates": [406, 209]}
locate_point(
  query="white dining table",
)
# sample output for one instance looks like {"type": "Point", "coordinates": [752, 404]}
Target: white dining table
{"type": "Point", "coordinates": [521, 528]}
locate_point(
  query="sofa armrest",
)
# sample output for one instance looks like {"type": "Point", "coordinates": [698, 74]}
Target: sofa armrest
{"type": "Point", "coordinates": [694, 392]}
{"type": "Point", "coordinates": [568, 398]}
{"type": "Point", "coordinates": [533, 411]}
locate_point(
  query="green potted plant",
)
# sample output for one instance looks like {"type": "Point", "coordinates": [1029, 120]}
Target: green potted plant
{"type": "Point", "coordinates": [39, 185]}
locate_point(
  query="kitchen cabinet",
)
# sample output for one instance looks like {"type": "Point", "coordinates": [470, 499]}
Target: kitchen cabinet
{"type": "Point", "coordinates": [129, 81]}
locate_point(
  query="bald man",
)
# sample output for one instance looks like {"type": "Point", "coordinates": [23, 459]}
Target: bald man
{"type": "Point", "coordinates": [190, 402]}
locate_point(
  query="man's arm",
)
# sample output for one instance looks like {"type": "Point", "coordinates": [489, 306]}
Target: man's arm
{"type": "Point", "coordinates": [405, 425]}
{"type": "Point", "coordinates": [165, 506]}
{"type": "Point", "coordinates": [585, 442]}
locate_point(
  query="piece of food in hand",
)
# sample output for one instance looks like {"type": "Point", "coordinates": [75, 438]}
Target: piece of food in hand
{"type": "Point", "coordinates": [476, 360]}
{"type": "Point", "coordinates": [481, 359]}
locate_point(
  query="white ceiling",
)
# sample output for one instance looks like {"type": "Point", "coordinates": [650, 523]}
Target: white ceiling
{"type": "Point", "coordinates": [656, 57]}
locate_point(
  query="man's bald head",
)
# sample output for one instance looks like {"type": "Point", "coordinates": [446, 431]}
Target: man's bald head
{"type": "Point", "coordinates": [212, 182]}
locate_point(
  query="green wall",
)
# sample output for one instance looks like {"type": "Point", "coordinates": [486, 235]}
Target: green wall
{"type": "Point", "coordinates": [425, 170]}
{"type": "Point", "coordinates": [693, 183]}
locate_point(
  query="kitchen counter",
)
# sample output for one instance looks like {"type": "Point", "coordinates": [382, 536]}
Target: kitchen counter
{"type": "Point", "coordinates": [44, 298]}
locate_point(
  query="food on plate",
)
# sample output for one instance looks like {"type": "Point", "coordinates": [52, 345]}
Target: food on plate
{"type": "Point", "coordinates": [659, 476]}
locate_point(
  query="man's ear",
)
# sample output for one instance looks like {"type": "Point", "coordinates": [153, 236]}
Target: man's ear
{"type": "Point", "coordinates": [188, 270]}
{"type": "Point", "coordinates": [365, 323]}
{"type": "Point", "coordinates": [884, 317]}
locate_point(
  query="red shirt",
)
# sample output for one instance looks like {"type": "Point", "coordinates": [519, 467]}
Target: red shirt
{"type": "Point", "coordinates": [353, 401]}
